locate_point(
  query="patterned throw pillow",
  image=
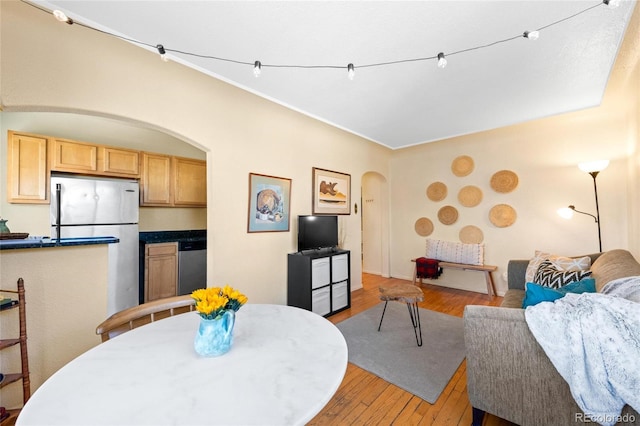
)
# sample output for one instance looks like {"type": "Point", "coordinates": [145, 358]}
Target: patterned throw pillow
{"type": "Point", "coordinates": [449, 251]}
{"type": "Point", "coordinates": [548, 276]}
{"type": "Point", "coordinates": [571, 264]}
{"type": "Point", "coordinates": [561, 263]}
{"type": "Point", "coordinates": [534, 264]}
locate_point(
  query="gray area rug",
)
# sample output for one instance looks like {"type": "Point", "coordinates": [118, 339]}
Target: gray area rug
{"type": "Point", "coordinates": [393, 355]}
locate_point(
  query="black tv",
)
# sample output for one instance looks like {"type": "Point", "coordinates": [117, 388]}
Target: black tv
{"type": "Point", "coordinates": [317, 232]}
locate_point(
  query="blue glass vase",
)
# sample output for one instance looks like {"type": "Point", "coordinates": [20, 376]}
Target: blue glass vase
{"type": "Point", "coordinates": [215, 336]}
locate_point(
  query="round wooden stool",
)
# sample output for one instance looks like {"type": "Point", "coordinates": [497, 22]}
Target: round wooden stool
{"type": "Point", "coordinates": [405, 293]}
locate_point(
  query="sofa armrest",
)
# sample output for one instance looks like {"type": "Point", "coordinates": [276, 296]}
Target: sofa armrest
{"type": "Point", "coordinates": [508, 373]}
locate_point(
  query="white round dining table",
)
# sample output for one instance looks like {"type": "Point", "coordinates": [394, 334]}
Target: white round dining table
{"type": "Point", "coordinates": [285, 364]}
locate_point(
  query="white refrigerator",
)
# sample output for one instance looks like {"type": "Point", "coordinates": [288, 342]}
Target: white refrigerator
{"type": "Point", "coordinates": [101, 207]}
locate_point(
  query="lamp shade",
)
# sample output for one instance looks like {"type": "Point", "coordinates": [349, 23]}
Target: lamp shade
{"type": "Point", "coordinates": [593, 166]}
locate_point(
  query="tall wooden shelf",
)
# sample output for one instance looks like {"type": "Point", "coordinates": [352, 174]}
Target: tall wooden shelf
{"type": "Point", "coordinates": [22, 341]}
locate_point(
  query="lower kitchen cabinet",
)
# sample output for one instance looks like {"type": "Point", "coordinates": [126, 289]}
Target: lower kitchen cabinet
{"type": "Point", "coordinates": [160, 271]}
{"type": "Point", "coordinates": [319, 281]}
{"type": "Point", "coordinates": [171, 263]}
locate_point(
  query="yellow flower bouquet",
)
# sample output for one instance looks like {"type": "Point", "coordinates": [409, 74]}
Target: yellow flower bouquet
{"type": "Point", "coordinates": [212, 302]}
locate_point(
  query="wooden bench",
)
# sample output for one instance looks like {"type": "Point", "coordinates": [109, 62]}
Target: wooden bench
{"type": "Point", "coordinates": [487, 269]}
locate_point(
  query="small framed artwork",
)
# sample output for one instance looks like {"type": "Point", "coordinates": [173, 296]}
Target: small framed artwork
{"type": "Point", "coordinates": [331, 192]}
{"type": "Point", "coordinates": [269, 203]}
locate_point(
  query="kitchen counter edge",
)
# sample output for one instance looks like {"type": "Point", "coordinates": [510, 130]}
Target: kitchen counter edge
{"type": "Point", "coordinates": [44, 242]}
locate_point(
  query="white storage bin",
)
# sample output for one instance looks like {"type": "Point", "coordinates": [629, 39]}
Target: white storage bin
{"type": "Point", "coordinates": [339, 296]}
{"type": "Point", "coordinates": [320, 301]}
{"type": "Point", "coordinates": [340, 267]}
{"type": "Point", "coordinates": [320, 272]}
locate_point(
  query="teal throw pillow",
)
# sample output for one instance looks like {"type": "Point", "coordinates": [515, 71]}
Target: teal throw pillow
{"type": "Point", "coordinates": [536, 293]}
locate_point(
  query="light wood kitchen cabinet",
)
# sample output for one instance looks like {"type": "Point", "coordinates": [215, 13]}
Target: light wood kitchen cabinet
{"type": "Point", "coordinates": [165, 180]}
{"type": "Point", "coordinates": [119, 162]}
{"type": "Point", "coordinates": [190, 182]}
{"type": "Point", "coordinates": [69, 156]}
{"type": "Point", "coordinates": [155, 181]}
{"type": "Point", "coordinates": [27, 169]}
{"type": "Point", "coordinates": [85, 158]}
{"type": "Point", "coordinates": [160, 271]}
{"type": "Point", "coordinates": [172, 181]}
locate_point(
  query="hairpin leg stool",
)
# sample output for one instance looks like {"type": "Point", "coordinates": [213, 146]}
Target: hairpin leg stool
{"type": "Point", "coordinates": [409, 294]}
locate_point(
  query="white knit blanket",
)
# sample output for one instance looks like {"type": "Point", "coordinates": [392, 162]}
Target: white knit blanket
{"type": "Point", "coordinates": [593, 340]}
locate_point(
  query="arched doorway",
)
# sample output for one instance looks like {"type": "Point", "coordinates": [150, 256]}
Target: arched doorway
{"type": "Point", "coordinates": [375, 224]}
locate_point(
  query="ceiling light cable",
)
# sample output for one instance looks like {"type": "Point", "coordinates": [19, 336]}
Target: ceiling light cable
{"type": "Point", "coordinates": [442, 61]}
{"type": "Point", "coordinates": [351, 71]}
{"type": "Point", "coordinates": [258, 65]}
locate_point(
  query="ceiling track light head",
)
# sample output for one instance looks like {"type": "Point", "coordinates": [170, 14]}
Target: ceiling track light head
{"type": "Point", "coordinates": [531, 35]}
{"type": "Point", "coordinates": [611, 3]}
{"type": "Point", "coordinates": [257, 68]}
{"type": "Point", "coordinates": [351, 71]}
{"type": "Point", "coordinates": [162, 52]}
{"type": "Point", "coordinates": [60, 16]}
{"type": "Point", "coordinates": [442, 61]}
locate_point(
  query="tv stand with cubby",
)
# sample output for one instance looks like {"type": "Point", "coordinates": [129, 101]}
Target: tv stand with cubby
{"type": "Point", "coordinates": [319, 280]}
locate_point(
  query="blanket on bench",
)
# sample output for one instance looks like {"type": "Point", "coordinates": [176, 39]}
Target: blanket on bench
{"type": "Point", "coordinates": [593, 340]}
{"type": "Point", "coordinates": [428, 268]}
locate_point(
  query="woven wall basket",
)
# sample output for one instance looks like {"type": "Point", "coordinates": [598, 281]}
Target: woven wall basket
{"type": "Point", "coordinates": [470, 196]}
{"type": "Point", "coordinates": [502, 215]}
{"type": "Point", "coordinates": [504, 181]}
{"type": "Point", "coordinates": [437, 191]}
{"type": "Point", "coordinates": [448, 215]}
{"type": "Point", "coordinates": [471, 235]}
{"type": "Point", "coordinates": [462, 165]}
{"type": "Point", "coordinates": [424, 227]}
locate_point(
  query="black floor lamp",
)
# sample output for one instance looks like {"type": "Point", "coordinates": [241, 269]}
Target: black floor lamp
{"type": "Point", "coordinates": [593, 168]}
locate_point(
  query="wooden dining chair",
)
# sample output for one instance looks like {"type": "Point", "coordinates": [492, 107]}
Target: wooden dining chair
{"type": "Point", "coordinates": [130, 318]}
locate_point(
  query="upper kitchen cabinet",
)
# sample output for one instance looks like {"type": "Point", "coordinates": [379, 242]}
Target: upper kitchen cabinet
{"type": "Point", "coordinates": [172, 181]}
{"type": "Point", "coordinates": [190, 182]}
{"type": "Point", "coordinates": [121, 162]}
{"type": "Point", "coordinates": [85, 158]}
{"type": "Point", "coordinates": [155, 181]}
{"type": "Point", "coordinates": [165, 180]}
{"type": "Point", "coordinates": [27, 169]}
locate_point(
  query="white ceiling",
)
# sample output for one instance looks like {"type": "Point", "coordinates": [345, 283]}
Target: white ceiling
{"type": "Point", "coordinates": [397, 105]}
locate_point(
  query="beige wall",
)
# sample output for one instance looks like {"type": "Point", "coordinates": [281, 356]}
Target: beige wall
{"type": "Point", "coordinates": [544, 153]}
{"type": "Point", "coordinates": [634, 166]}
{"type": "Point", "coordinates": [66, 293]}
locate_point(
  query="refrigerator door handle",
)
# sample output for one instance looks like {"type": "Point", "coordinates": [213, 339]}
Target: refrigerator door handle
{"type": "Point", "coordinates": [58, 210]}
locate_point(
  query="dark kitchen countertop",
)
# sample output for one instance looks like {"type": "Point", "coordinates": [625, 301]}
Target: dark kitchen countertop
{"type": "Point", "coordinates": [44, 242]}
{"type": "Point", "coordinates": [170, 236]}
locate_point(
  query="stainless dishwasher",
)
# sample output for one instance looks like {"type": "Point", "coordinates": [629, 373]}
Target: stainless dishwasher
{"type": "Point", "coordinates": [192, 266]}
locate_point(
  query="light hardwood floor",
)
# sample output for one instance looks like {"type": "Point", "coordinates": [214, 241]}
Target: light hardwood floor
{"type": "Point", "coordinates": [365, 399]}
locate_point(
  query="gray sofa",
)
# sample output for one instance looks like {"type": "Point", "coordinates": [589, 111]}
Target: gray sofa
{"type": "Point", "coordinates": [508, 373]}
